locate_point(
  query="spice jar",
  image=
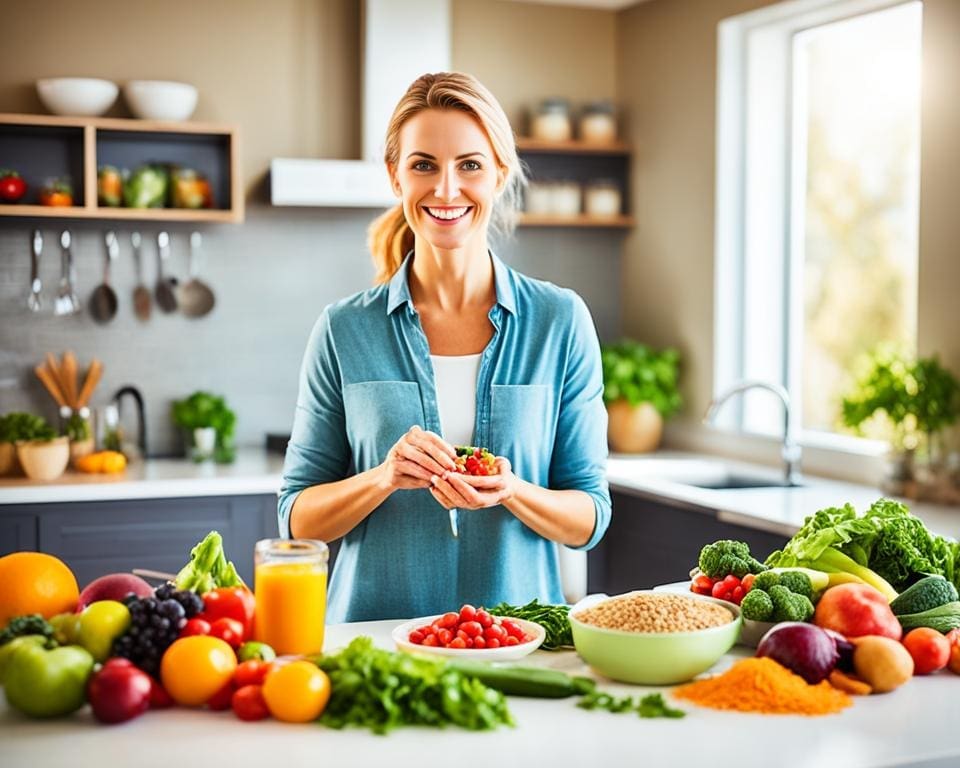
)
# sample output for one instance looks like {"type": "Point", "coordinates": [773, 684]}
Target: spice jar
{"type": "Point", "coordinates": [551, 121]}
{"type": "Point", "coordinates": [602, 198]}
{"type": "Point", "coordinates": [566, 198]}
{"type": "Point", "coordinates": [539, 197]}
{"type": "Point", "coordinates": [290, 584]}
{"type": "Point", "coordinates": [597, 123]}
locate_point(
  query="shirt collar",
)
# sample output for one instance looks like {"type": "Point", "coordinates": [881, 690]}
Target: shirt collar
{"type": "Point", "coordinates": [399, 287]}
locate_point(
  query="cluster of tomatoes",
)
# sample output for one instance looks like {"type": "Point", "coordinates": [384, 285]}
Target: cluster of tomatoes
{"type": "Point", "coordinates": [469, 628]}
{"type": "Point", "coordinates": [729, 588]}
{"type": "Point", "coordinates": [471, 460]}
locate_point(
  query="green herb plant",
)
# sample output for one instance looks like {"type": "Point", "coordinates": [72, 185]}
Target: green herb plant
{"type": "Point", "coordinates": [24, 426]}
{"type": "Point", "coordinates": [638, 373]}
{"type": "Point", "coordinates": [203, 409]}
{"type": "Point", "coordinates": [913, 398]}
{"type": "Point", "coordinates": [77, 428]}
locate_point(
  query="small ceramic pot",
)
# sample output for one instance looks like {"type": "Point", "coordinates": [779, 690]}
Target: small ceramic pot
{"type": "Point", "coordinates": [8, 459]}
{"type": "Point", "coordinates": [633, 428]}
{"type": "Point", "coordinates": [204, 443]}
{"type": "Point", "coordinates": [44, 459]}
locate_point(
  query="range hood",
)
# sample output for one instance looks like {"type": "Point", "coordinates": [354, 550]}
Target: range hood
{"type": "Point", "coordinates": [401, 41]}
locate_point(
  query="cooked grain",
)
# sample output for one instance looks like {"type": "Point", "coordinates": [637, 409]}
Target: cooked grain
{"type": "Point", "coordinates": [655, 613]}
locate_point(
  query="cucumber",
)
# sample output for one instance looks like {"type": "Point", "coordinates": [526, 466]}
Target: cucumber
{"type": "Point", "coordinates": [943, 618]}
{"type": "Point", "coordinates": [535, 682]}
{"type": "Point", "coordinates": [929, 592]}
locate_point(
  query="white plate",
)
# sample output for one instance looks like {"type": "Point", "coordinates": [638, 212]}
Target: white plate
{"type": "Point", "coordinates": [504, 653]}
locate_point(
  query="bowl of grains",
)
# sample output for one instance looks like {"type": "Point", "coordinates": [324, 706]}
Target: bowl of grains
{"type": "Point", "coordinates": [653, 638]}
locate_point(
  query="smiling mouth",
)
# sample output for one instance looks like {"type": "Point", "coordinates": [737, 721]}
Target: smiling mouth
{"type": "Point", "coordinates": [448, 215]}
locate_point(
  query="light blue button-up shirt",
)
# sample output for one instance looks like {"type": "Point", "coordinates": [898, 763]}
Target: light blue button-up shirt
{"type": "Point", "coordinates": [367, 378]}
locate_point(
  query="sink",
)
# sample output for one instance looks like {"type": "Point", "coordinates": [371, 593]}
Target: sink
{"type": "Point", "coordinates": [707, 473]}
{"type": "Point", "coordinates": [735, 481]}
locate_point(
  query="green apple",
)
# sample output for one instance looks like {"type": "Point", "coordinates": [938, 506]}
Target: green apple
{"type": "Point", "coordinates": [101, 623]}
{"type": "Point", "coordinates": [7, 649]}
{"type": "Point", "coordinates": [43, 683]}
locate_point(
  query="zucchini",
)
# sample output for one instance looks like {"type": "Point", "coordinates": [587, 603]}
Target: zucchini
{"type": "Point", "coordinates": [536, 682]}
{"type": "Point", "coordinates": [929, 592]}
{"type": "Point", "coordinates": [943, 618]}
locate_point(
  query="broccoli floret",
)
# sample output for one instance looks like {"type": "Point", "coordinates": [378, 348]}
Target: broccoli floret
{"type": "Point", "coordinates": [757, 605]}
{"type": "Point", "coordinates": [725, 557]}
{"type": "Point", "coordinates": [798, 583]}
{"type": "Point", "coordinates": [766, 580]}
{"type": "Point", "coordinates": [32, 624]}
{"type": "Point", "coordinates": [788, 606]}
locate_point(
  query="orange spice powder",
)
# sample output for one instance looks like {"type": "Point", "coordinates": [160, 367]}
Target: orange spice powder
{"type": "Point", "coordinates": [763, 685]}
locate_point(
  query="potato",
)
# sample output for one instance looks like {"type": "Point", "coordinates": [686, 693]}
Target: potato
{"type": "Point", "coordinates": [883, 663]}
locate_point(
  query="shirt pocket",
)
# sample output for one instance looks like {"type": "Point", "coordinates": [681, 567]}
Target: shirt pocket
{"type": "Point", "coordinates": [521, 428]}
{"type": "Point", "coordinates": [377, 414]}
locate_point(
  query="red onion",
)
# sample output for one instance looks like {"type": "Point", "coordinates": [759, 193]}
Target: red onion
{"type": "Point", "coordinates": [802, 648]}
{"type": "Point", "coordinates": [844, 648]}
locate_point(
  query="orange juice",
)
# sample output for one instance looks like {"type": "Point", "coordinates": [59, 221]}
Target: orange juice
{"type": "Point", "coordinates": [290, 586]}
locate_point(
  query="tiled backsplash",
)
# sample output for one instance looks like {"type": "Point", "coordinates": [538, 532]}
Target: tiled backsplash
{"type": "Point", "coordinates": [271, 276]}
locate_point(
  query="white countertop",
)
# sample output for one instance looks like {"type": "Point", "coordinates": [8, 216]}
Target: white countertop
{"type": "Point", "coordinates": [255, 471]}
{"type": "Point", "coordinates": [914, 724]}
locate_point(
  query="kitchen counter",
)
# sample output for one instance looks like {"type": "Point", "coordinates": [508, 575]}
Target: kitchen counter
{"type": "Point", "coordinates": [914, 725]}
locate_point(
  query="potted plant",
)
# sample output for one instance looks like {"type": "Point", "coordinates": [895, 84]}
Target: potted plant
{"type": "Point", "coordinates": [208, 426]}
{"type": "Point", "coordinates": [640, 390]}
{"type": "Point", "coordinates": [907, 401]}
{"type": "Point", "coordinates": [40, 453]}
{"type": "Point", "coordinates": [77, 429]}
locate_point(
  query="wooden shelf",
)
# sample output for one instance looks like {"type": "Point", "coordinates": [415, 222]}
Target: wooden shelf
{"type": "Point", "coordinates": [572, 147]}
{"type": "Point", "coordinates": [549, 220]}
{"type": "Point", "coordinates": [43, 146]}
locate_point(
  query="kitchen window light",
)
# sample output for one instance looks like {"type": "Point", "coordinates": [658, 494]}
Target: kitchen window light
{"type": "Point", "coordinates": [817, 208]}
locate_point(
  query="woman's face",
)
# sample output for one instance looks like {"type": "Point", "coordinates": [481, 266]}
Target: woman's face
{"type": "Point", "coordinates": [447, 177]}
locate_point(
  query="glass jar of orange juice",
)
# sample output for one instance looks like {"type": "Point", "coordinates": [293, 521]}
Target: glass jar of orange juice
{"type": "Point", "coordinates": [290, 586]}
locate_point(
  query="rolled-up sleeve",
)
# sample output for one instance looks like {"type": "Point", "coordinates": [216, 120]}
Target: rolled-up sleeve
{"type": "Point", "coordinates": [580, 450]}
{"type": "Point", "coordinates": [318, 451]}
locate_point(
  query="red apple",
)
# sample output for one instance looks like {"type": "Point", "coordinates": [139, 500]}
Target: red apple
{"type": "Point", "coordinates": [113, 586]}
{"type": "Point", "coordinates": [855, 610]}
{"type": "Point", "coordinates": [119, 692]}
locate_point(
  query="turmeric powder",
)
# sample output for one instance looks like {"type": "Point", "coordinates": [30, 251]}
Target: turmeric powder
{"type": "Point", "coordinates": [762, 685]}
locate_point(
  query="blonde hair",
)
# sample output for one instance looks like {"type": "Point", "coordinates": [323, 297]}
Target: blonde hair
{"type": "Point", "coordinates": [390, 237]}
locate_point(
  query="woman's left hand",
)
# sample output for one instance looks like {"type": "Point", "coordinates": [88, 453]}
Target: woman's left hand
{"type": "Point", "coordinates": [453, 490]}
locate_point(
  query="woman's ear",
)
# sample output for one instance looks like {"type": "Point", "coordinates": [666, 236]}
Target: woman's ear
{"type": "Point", "coordinates": [394, 181]}
{"type": "Point", "coordinates": [502, 173]}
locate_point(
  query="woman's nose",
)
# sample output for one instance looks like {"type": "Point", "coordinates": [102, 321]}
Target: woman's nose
{"type": "Point", "coordinates": [448, 187]}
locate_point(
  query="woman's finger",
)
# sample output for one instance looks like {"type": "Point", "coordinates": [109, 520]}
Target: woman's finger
{"type": "Point", "coordinates": [463, 490]}
{"type": "Point", "coordinates": [442, 500]}
{"type": "Point", "coordinates": [413, 453]}
{"type": "Point", "coordinates": [412, 469]}
{"type": "Point", "coordinates": [484, 482]}
{"type": "Point", "coordinates": [433, 446]}
{"type": "Point", "coordinates": [450, 492]}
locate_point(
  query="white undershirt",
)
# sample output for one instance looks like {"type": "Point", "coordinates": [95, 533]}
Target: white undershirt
{"type": "Point", "coordinates": [456, 379]}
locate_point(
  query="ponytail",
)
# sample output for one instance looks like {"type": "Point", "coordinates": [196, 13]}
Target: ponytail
{"type": "Point", "coordinates": [389, 239]}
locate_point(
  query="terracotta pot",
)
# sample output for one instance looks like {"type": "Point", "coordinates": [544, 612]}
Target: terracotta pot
{"type": "Point", "coordinates": [633, 428]}
{"type": "Point", "coordinates": [8, 459]}
{"type": "Point", "coordinates": [44, 459]}
{"type": "Point", "coordinates": [79, 449]}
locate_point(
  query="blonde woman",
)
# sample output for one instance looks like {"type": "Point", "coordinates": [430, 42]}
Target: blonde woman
{"type": "Point", "coordinates": [451, 347]}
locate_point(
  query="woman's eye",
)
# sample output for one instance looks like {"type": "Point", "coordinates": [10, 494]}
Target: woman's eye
{"type": "Point", "coordinates": [471, 165]}
{"type": "Point", "coordinates": [421, 165]}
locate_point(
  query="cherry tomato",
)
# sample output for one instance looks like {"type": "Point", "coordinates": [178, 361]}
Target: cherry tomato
{"type": "Point", "coordinates": [468, 612]}
{"type": "Point", "coordinates": [248, 703]}
{"type": "Point", "coordinates": [252, 672]}
{"type": "Point", "coordinates": [472, 628]}
{"type": "Point", "coordinates": [737, 594]}
{"type": "Point", "coordinates": [495, 632]}
{"type": "Point", "coordinates": [416, 637]}
{"type": "Point", "coordinates": [228, 630]}
{"type": "Point", "coordinates": [484, 618]}
{"type": "Point", "coordinates": [479, 642]}
{"type": "Point", "coordinates": [719, 590]}
{"type": "Point", "coordinates": [513, 629]}
{"type": "Point", "coordinates": [458, 642]}
{"type": "Point", "coordinates": [444, 636]}
{"type": "Point", "coordinates": [296, 692]}
{"type": "Point", "coordinates": [930, 650]}
{"type": "Point", "coordinates": [430, 641]}
{"type": "Point", "coordinates": [195, 626]}
{"type": "Point", "coordinates": [449, 620]}
{"type": "Point", "coordinates": [731, 581]}
{"type": "Point", "coordinates": [222, 698]}
{"type": "Point", "coordinates": [747, 582]}
{"type": "Point", "coordinates": [510, 641]}
{"type": "Point", "coordinates": [231, 603]}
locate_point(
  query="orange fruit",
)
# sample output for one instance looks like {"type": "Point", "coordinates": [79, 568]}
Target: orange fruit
{"type": "Point", "coordinates": [296, 692]}
{"type": "Point", "coordinates": [32, 582]}
{"type": "Point", "coordinates": [196, 667]}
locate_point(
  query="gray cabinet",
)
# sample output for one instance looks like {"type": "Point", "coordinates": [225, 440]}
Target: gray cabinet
{"type": "Point", "coordinates": [95, 538]}
{"type": "Point", "coordinates": [650, 543]}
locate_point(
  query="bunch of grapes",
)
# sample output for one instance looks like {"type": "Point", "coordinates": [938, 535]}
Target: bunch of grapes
{"type": "Point", "coordinates": [155, 623]}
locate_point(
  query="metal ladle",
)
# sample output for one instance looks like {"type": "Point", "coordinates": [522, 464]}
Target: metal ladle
{"type": "Point", "coordinates": [103, 301]}
{"type": "Point", "coordinates": [141, 294]}
{"type": "Point", "coordinates": [196, 298]}
{"type": "Point", "coordinates": [33, 300]}
{"type": "Point", "coordinates": [166, 297]}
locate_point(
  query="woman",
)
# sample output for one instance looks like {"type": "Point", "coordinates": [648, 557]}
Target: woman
{"type": "Point", "coordinates": [452, 347]}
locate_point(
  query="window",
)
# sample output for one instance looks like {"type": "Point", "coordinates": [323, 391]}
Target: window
{"type": "Point", "coordinates": [818, 157]}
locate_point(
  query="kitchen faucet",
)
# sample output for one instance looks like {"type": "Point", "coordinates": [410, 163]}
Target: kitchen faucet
{"type": "Point", "coordinates": [790, 451]}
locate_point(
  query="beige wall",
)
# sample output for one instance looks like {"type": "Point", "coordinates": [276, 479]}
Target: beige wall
{"type": "Point", "coordinates": [286, 71]}
{"type": "Point", "coordinates": [524, 52]}
{"type": "Point", "coordinates": [666, 68]}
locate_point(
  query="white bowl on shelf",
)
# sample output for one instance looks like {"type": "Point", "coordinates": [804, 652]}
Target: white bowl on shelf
{"type": "Point", "coordinates": [77, 96]}
{"type": "Point", "coordinates": [160, 99]}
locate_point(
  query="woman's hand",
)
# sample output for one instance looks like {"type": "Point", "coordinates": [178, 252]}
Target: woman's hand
{"type": "Point", "coordinates": [415, 458]}
{"type": "Point", "coordinates": [453, 490]}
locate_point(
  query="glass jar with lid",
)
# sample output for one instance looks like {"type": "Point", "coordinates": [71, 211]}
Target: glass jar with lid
{"type": "Point", "coordinates": [290, 585]}
{"type": "Point", "coordinates": [551, 121]}
{"type": "Point", "coordinates": [602, 198]}
{"type": "Point", "coordinates": [597, 123]}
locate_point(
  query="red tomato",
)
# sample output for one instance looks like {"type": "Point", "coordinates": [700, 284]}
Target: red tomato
{"type": "Point", "coordinates": [510, 641]}
{"type": "Point", "coordinates": [495, 632]}
{"type": "Point", "coordinates": [248, 703]}
{"type": "Point", "coordinates": [737, 594]}
{"type": "Point", "coordinates": [479, 642]}
{"type": "Point", "coordinates": [472, 628]}
{"type": "Point", "coordinates": [449, 620]}
{"type": "Point", "coordinates": [719, 590]}
{"type": "Point", "coordinates": [747, 582]}
{"type": "Point", "coordinates": [430, 640]}
{"type": "Point", "coordinates": [731, 581]}
{"type": "Point", "coordinates": [195, 626]}
{"type": "Point", "coordinates": [930, 650]}
{"type": "Point", "coordinates": [235, 603]}
{"type": "Point", "coordinates": [228, 630]}
{"type": "Point", "coordinates": [445, 636]}
{"type": "Point", "coordinates": [251, 672]}
{"type": "Point", "coordinates": [484, 618]}
{"type": "Point", "coordinates": [468, 612]}
{"type": "Point", "coordinates": [12, 187]}
{"type": "Point", "coordinates": [222, 698]}
{"type": "Point", "coordinates": [458, 642]}
{"type": "Point", "coordinates": [416, 637]}
{"type": "Point", "coordinates": [494, 642]}
{"type": "Point", "coordinates": [513, 629]}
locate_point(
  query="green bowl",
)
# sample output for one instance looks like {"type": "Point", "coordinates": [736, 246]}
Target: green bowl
{"type": "Point", "coordinates": [653, 658]}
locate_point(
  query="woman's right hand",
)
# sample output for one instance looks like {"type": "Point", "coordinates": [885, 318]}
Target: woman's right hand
{"type": "Point", "coordinates": [415, 458]}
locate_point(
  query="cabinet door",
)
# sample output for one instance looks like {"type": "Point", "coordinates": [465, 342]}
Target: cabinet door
{"type": "Point", "coordinates": [650, 543]}
{"type": "Point", "coordinates": [18, 533]}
